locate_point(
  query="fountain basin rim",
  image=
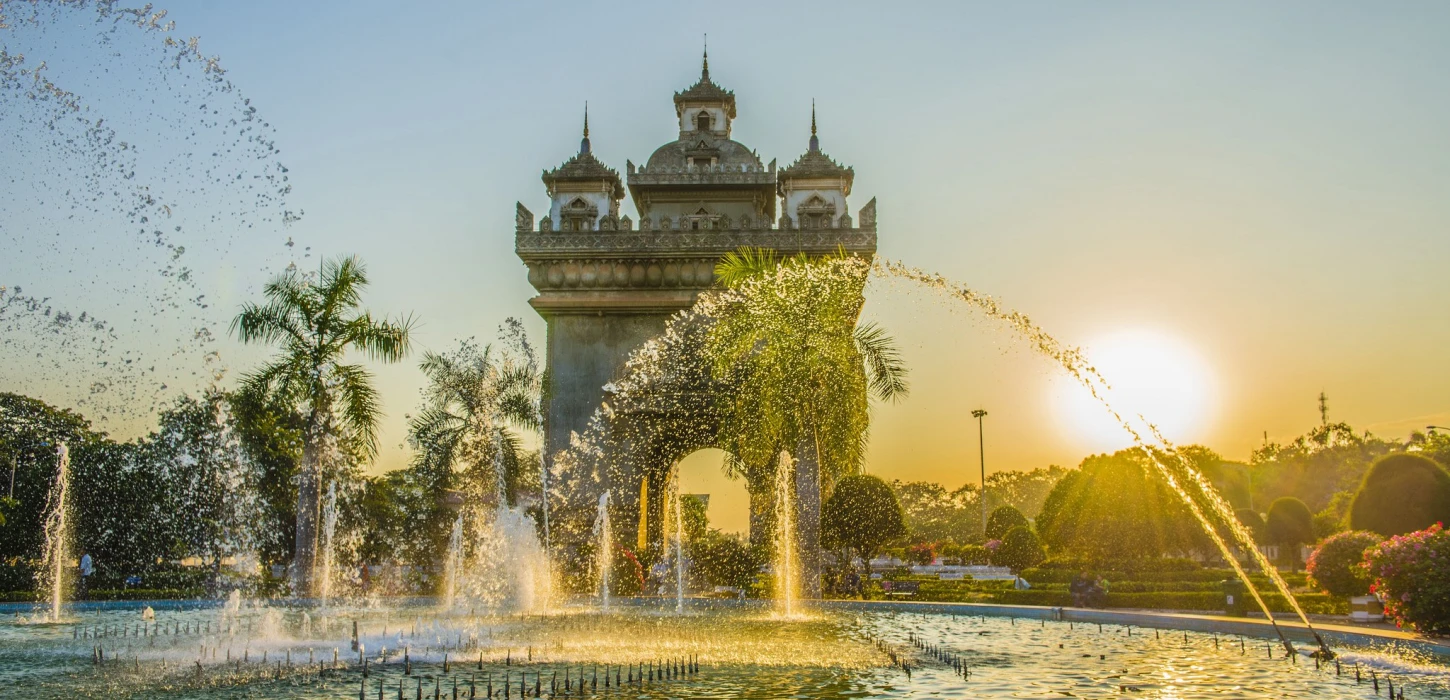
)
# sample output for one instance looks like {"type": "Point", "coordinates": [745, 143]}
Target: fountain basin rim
{"type": "Point", "coordinates": [1189, 622]}
{"type": "Point", "coordinates": [1147, 619]}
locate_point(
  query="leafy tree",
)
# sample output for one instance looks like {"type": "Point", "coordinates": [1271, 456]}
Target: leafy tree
{"type": "Point", "coordinates": [694, 516]}
{"type": "Point", "coordinates": [799, 365]}
{"type": "Point", "coordinates": [30, 430]}
{"type": "Point", "coordinates": [1023, 490]}
{"type": "Point", "coordinates": [1401, 493]}
{"type": "Point", "coordinates": [861, 516]}
{"type": "Point", "coordinates": [316, 322]}
{"type": "Point", "coordinates": [1232, 480]}
{"type": "Point", "coordinates": [786, 340]}
{"type": "Point", "coordinates": [1327, 523]}
{"type": "Point", "coordinates": [1289, 524]}
{"type": "Point", "coordinates": [270, 436]}
{"type": "Point", "coordinates": [1002, 519]}
{"type": "Point", "coordinates": [934, 514]}
{"type": "Point", "coordinates": [1314, 466]}
{"type": "Point", "coordinates": [1020, 549]}
{"type": "Point", "coordinates": [1336, 566]}
{"type": "Point", "coordinates": [1114, 508]}
{"type": "Point", "coordinates": [476, 401]}
{"type": "Point", "coordinates": [207, 478]}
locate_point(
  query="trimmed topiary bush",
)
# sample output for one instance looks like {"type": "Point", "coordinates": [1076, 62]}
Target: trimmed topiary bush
{"type": "Point", "coordinates": [1253, 521]}
{"type": "Point", "coordinates": [1020, 549]}
{"type": "Point", "coordinates": [1401, 493]}
{"type": "Point", "coordinates": [1337, 566]}
{"type": "Point", "coordinates": [1412, 575]}
{"type": "Point", "coordinates": [1002, 519]}
{"type": "Point", "coordinates": [1289, 524]}
{"type": "Point", "coordinates": [862, 516]}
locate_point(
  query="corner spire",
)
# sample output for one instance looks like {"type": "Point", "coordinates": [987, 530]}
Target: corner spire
{"type": "Point", "coordinates": [584, 142]}
{"type": "Point", "coordinates": [815, 142]}
{"type": "Point", "coordinates": [705, 65]}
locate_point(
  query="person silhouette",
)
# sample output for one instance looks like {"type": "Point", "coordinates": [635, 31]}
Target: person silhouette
{"type": "Point", "coordinates": [87, 567]}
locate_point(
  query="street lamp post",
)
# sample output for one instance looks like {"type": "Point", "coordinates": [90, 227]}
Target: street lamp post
{"type": "Point", "coordinates": [1437, 427]}
{"type": "Point", "coordinates": [979, 414]}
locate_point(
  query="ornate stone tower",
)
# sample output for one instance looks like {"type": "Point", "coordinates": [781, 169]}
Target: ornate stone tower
{"type": "Point", "coordinates": [605, 286]}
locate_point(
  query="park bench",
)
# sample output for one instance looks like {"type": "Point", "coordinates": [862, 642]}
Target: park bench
{"type": "Point", "coordinates": [900, 589]}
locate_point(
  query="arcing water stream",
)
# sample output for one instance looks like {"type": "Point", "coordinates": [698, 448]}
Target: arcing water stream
{"type": "Point", "coordinates": [654, 364]}
{"type": "Point", "coordinates": [1076, 365]}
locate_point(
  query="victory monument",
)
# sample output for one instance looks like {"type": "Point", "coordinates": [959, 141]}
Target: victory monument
{"type": "Point", "coordinates": [607, 282]}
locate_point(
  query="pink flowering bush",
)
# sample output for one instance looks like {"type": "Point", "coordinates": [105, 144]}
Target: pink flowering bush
{"type": "Point", "coordinates": [922, 553]}
{"type": "Point", "coordinates": [1411, 574]}
{"type": "Point", "coordinates": [1336, 566]}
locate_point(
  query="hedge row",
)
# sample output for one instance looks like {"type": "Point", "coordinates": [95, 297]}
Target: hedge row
{"type": "Point", "coordinates": [1041, 575]}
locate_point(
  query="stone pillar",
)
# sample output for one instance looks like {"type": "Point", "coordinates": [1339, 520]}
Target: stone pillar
{"type": "Point", "coordinates": [808, 515]}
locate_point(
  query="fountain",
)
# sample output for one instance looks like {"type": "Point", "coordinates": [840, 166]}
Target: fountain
{"type": "Point", "coordinates": [453, 563]}
{"type": "Point", "coordinates": [604, 549]}
{"type": "Point", "coordinates": [58, 534]}
{"type": "Point", "coordinates": [679, 543]}
{"type": "Point", "coordinates": [786, 562]}
{"type": "Point", "coordinates": [329, 532]}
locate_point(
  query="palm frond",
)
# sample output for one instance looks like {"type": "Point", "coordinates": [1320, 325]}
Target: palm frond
{"type": "Point", "coordinates": [360, 407]}
{"type": "Point", "coordinates": [885, 369]}
{"type": "Point", "coordinates": [744, 264]}
{"type": "Point", "coordinates": [340, 284]}
{"type": "Point", "coordinates": [385, 341]}
{"type": "Point", "coordinates": [268, 323]}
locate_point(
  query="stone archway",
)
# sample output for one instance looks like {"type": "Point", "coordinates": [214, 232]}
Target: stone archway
{"type": "Point", "coordinates": [703, 473]}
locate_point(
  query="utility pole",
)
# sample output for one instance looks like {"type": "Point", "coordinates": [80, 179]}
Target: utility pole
{"type": "Point", "coordinates": [1323, 409]}
{"type": "Point", "coordinates": [979, 414]}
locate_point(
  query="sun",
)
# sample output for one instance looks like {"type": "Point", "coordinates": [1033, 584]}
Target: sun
{"type": "Point", "coordinates": [1152, 374]}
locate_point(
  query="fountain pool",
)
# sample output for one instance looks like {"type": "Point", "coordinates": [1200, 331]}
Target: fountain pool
{"type": "Point", "coordinates": [714, 650]}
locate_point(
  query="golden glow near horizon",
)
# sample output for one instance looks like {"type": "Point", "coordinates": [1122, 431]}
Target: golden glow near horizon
{"type": "Point", "coordinates": [1154, 376]}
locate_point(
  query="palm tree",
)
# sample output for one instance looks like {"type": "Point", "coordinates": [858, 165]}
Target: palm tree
{"type": "Point", "coordinates": [315, 321]}
{"type": "Point", "coordinates": [801, 369]}
{"type": "Point", "coordinates": [475, 400]}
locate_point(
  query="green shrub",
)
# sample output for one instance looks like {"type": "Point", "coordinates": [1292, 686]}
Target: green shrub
{"type": "Point", "coordinates": [1412, 575]}
{"type": "Point", "coordinates": [1020, 549]}
{"type": "Point", "coordinates": [1336, 566]}
{"type": "Point", "coordinates": [721, 560]}
{"type": "Point", "coordinates": [1140, 565]}
{"type": "Point", "coordinates": [973, 554]}
{"type": "Point", "coordinates": [1401, 493]}
{"type": "Point", "coordinates": [1002, 519]}
{"type": "Point", "coordinates": [1313, 603]}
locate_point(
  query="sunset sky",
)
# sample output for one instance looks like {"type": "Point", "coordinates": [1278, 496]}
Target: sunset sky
{"type": "Point", "coordinates": [1242, 202]}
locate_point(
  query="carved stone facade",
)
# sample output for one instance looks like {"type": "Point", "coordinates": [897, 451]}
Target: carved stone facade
{"type": "Point", "coordinates": [604, 287]}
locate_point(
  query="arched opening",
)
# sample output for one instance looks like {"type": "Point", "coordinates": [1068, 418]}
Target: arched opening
{"type": "Point", "coordinates": [702, 121]}
{"type": "Point", "coordinates": [702, 473]}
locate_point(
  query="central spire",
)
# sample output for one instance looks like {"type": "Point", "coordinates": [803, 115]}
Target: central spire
{"type": "Point", "coordinates": [815, 143]}
{"type": "Point", "coordinates": [705, 65]}
{"type": "Point", "coordinates": [584, 142]}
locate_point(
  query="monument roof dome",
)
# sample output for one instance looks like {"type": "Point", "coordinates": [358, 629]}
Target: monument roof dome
{"type": "Point", "coordinates": [725, 152]}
